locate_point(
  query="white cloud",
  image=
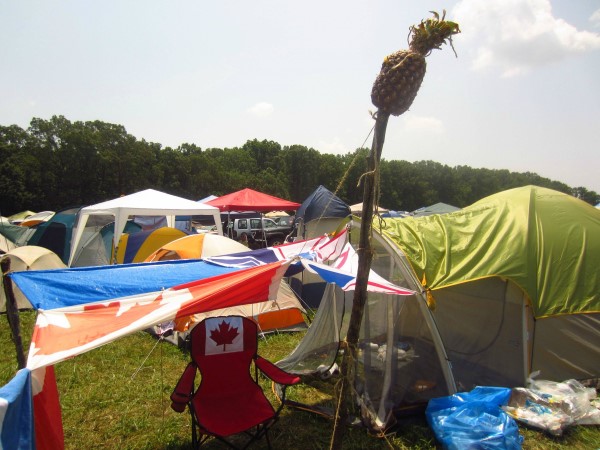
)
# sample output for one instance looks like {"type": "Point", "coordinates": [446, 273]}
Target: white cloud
{"type": "Point", "coordinates": [262, 109]}
{"type": "Point", "coordinates": [336, 147]}
{"type": "Point", "coordinates": [518, 35]}
{"type": "Point", "coordinates": [421, 124]}
{"type": "Point", "coordinates": [595, 18]}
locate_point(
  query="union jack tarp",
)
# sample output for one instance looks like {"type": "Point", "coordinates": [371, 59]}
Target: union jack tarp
{"type": "Point", "coordinates": [343, 273]}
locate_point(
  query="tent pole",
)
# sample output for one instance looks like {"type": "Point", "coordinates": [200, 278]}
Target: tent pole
{"type": "Point", "coordinates": [262, 227]}
{"type": "Point", "coordinates": [12, 312]}
{"type": "Point", "coordinates": [229, 230]}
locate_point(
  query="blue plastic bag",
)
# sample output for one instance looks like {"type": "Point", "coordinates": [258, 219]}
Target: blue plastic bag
{"type": "Point", "coordinates": [474, 420]}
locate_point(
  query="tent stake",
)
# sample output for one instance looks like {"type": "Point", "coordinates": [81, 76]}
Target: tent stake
{"type": "Point", "coordinates": [12, 312]}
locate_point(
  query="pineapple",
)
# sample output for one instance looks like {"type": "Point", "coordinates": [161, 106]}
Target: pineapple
{"type": "Point", "coordinates": [402, 73]}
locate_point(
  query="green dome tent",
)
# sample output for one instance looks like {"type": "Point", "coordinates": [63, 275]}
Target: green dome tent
{"type": "Point", "coordinates": [511, 286]}
{"type": "Point", "coordinates": [515, 284]}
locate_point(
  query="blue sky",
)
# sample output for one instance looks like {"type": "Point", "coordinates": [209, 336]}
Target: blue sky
{"type": "Point", "coordinates": [523, 93]}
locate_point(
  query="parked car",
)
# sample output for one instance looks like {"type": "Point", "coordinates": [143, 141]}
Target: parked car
{"type": "Point", "coordinates": [250, 230]}
{"type": "Point", "coordinates": [284, 221]}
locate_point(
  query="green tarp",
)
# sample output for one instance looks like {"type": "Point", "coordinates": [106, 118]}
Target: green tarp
{"type": "Point", "coordinates": [545, 241]}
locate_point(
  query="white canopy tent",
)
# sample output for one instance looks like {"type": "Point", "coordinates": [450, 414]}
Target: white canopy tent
{"type": "Point", "coordinates": [144, 203]}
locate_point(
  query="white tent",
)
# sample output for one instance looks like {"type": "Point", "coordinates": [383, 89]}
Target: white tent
{"type": "Point", "coordinates": [357, 208]}
{"type": "Point", "coordinates": [144, 203]}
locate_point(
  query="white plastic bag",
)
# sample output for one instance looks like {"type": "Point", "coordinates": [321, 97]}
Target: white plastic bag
{"type": "Point", "coordinates": [554, 406]}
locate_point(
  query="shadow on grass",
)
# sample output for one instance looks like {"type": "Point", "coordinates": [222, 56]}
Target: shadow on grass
{"type": "Point", "coordinates": [303, 430]}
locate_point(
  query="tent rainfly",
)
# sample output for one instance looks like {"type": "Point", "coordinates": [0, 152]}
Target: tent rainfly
{"type": "Point", "coordinates": [144, 203]}
{"type": "Point", "coordinates": [515, 282]}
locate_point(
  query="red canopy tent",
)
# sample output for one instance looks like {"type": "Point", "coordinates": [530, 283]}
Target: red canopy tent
{"type": "Point", "coordinates": [250, 200]}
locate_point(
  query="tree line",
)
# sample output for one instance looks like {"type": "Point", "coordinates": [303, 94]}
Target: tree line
{"type": "Point", "coordinates": [56, 164]}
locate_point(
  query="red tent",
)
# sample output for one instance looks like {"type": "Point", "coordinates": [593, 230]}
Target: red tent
{"type": "Point", "coordinates": [250, 200]}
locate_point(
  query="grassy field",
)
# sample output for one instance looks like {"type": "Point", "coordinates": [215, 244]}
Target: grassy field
{"type": "Point", "coordinates": [117, 397]}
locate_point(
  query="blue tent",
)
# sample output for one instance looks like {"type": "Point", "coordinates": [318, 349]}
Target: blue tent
{"type": "Point", "coordinates": [392, 213]}
{"type": "Point", "coordinates": [322, 203]}
{"type": "Point", "coordinates": [55, 234]}
{"type": "Point", "coordinates": [322, 212]}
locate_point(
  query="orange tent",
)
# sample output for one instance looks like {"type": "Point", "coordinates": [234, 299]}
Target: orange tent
{"type": "Point", "coordinates": [284, 313]}
{"type": "Point", "coordinates": [196, 246]}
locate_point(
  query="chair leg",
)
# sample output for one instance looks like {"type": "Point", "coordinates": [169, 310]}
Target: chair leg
{"type": "Point", "coordinates": [194, 434]}
{"type": "Point", "coordinates": [267, 439]}
{"type": "Point", "coordinates": [198, 438]}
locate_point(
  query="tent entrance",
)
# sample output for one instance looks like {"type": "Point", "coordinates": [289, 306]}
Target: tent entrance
{"type": "Point", "coordinates": [398, 365]}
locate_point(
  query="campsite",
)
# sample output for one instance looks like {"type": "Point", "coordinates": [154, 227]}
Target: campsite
{"type": "Point", "coordinates": [126, 405]}
{"type": "Point", "coordinates": [117, 394]}
{"type": "Point", "coordinates": [448, 308]}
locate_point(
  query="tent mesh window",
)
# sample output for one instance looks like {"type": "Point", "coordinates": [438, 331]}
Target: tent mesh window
{"type": "Point", "coordinates": [399, 367]}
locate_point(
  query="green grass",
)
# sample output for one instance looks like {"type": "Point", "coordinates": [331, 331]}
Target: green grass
{"type": "Point", "coordinates": [117, 396]}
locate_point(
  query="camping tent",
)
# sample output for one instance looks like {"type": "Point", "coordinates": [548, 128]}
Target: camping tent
{"type": "Point", "coordinates": [143, 203]}
{"type": "Point", "coordinates": [357, 208]}
{"type": "Point", "coordinates": [11, 235]}
{"type": "Point", "coordinates": [437, 208]}
{"type": "Point", "coordinates": [55, 233]}
{"type": "Point", "coordinates": [515, 282]}
{"type": "Point", "coordinates": [138, 246]}
{"type": "Point", "coordinates": [393, 213]}
{"type": "Point", "coordinates": [20, 216]}
{"type": "Point", "coordinates": [196, 246]}
{"type": "Point", "coordinates": [96, 245]}
{"type": "Point", "coordinates": [511, 286]}
{"type": "Point", "coordinates": [285, 313]}
{"type": "Point", "coordinates": [37, 218]}
{"type": "Point", "coordinates": [401, 359]}
{"type": "Point", "coordinates": [251, 200]}
{"type": "Point", "coordinates": [276, 214]}
{"type": "Point", "coordinates": [28, 257]}
{"type": "Point", "coordinates": [321, 212]}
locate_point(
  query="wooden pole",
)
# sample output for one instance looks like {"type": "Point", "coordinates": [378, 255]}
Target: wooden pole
{"type": "Point", "coordinates": [12, 312]}
{"type": "Point", "coordinates": [365, 257]}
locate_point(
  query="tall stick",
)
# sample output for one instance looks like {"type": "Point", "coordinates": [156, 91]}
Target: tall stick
{"type": "Point", "coordinates": [12, 312]}
{"type": "Point", "coordinates": [393, 92]}
{"type": "Point", "coordinates": [365, 257]}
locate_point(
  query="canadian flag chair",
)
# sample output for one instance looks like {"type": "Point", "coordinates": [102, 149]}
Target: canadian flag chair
{"type": "Point", "coordinates": [228, 399]}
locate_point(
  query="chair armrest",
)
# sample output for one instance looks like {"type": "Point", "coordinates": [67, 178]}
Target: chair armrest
{"type": "Point", "coordinates": [276, 374]}
{"type": "Point", "coordinates": [182, 393]}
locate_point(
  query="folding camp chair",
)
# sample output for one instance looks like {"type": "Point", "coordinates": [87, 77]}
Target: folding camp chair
{"type": "Point", "coordinates": [228, 400]}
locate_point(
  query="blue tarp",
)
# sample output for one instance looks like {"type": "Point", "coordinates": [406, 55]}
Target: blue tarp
{"type": "Point", "coordinates": [49, 289]}
{"type": "Point", "coordinates": [57, 288]}
{"type": "Point", "coordinates": [474, 420]}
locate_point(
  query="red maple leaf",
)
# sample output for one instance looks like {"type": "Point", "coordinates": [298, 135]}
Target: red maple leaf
{"type": "Point", "coordinates": [224, 334]}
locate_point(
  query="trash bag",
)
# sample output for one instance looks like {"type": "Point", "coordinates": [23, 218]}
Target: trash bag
{"type": "Point", "coordinates": [474, 420]}
{"type": "Point", "coordinates": [553, 406]}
